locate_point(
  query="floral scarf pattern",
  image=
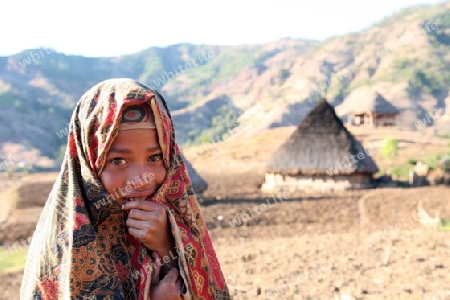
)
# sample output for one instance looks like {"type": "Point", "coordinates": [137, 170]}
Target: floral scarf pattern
{"type": "Point", "coordinates": [81, 248]}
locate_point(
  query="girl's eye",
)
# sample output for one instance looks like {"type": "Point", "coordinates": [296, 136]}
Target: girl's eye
{"type": "Point", "coordinates": [118, 161]}
{"type": "Point", "coordinates": [156, 157]}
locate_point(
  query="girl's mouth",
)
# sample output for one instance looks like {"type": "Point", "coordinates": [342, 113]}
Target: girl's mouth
{"type": "Point", "coordinates": [136, 199]}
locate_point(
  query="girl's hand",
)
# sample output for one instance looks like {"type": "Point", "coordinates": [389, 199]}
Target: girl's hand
{"type": "Point", "coordinates": [148, 223]}
{"type": "Point", "coordinates": [168, 288]}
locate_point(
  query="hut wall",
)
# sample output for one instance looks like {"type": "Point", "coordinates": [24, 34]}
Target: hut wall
{"type": "Point", "coordinates": [384, 120]}
{"type": "Point", "coordinates": [274, 182]}
{"type": "Point", "coordinates": [373, 120]}
{"type": "Point", "coordinates": [360, 120]}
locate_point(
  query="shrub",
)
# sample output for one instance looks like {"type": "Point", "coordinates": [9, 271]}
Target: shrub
{"type": "Point", "coordinates": [284, 74]}
{"type": "Point", "coordinates": [412, 161]}
{"type": "Point", "coordinates": [433, 161]}
{"type": "Point", "coordinates": [401, 171]}
{"type": "Point", "coordinates": [390, 148]}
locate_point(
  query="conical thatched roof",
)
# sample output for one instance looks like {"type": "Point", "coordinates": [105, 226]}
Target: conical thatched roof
{"type": "Point", "coordinates": [198, 183]}
{"type": "Point", "coordinates": [366, 101]}
{"type": "Point", "coordinates": [321, 145]}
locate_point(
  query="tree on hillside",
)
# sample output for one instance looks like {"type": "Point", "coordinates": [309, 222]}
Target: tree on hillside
{"type": "Point", "coordinates": [223, 122]}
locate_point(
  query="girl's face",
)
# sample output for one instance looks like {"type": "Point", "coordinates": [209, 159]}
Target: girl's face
{"type": "Point", "coordinates": [134, 167]}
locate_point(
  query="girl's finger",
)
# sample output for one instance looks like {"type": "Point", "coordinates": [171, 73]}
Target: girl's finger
{"type": "Point", "coordinates": [156, 268]}
{"type": "Point", "coordinates": [138, 234]}
{"type": "Point", "coordinates": [142, 204]}
{"type": "Point", "coordinates": [139, 214]}
{"type": "Point", "coordinates": [178, 284]}
{"type": "Point", "coordinates": [172, 276]}
{"type": "Point", "coordinates": [137, 224]}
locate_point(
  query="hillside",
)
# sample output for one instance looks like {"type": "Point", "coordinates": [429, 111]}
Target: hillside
{"type": "Point", "coordinates": [405, 58]}
{"type": "Point", "coordinates": [248, 88]}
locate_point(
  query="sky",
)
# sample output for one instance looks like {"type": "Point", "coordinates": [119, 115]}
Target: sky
{"type": "Point", "coordinates": [111, 28]}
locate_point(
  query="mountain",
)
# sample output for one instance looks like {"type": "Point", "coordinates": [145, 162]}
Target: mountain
{"type": "Point", "coordinates": [218, 91]}
{"type": "Point", "coordinates": [40, 87]}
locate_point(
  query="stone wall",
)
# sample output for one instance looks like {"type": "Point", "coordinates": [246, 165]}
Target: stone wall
{"type": "Point", "coordinates": [275, 182]}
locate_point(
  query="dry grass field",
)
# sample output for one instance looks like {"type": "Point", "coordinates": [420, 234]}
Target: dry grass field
{"type": "Point", "coordinates": [368, 244]}
{"type": "Point", "coordinates": [249, 153]}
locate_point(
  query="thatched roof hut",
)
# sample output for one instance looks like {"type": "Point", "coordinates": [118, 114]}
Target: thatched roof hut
{"type": "Point", "coordinates": [368, 108]}
{"type": "Point", "coordinates": [320, 153]}
{"type": "Point", "coordinates": [198, 183]}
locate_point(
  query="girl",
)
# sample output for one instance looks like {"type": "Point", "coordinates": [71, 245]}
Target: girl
{"type": "Point", "coordinates": [122, 220]}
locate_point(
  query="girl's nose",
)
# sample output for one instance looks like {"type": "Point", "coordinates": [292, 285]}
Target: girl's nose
{"type": "Point", "coordinates": [142, 181]}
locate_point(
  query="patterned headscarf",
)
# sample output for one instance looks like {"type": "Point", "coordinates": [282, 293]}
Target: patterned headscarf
{"type": "Point", "coordinates": [137, 117]}
{"type": "Point", "coordinates": [81, 248]}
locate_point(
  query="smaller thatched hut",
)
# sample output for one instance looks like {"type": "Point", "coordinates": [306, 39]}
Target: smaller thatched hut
{"type": "Point", "coordinates": [321, 154]}
{"type": "Point", "coordinates": [198, 183]}
{"type": "Point", "coordinates": [368, 108]}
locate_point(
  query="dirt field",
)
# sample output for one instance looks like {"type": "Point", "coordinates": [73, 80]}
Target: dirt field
{"type": "Point", "coordinates": [368, 244]}
{"type": "Point", "coordinates": [388, 254]}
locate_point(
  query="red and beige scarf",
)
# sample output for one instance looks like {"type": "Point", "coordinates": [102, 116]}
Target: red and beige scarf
{"type": "Point", "coordinates": [81, 248]}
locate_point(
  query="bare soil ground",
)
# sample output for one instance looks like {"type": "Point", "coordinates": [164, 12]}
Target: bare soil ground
{"type": "Point", "coordinates": [371, 249]}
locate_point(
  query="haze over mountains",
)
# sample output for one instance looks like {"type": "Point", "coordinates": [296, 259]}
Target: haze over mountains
{"type": "Point", "coordinates": [247, 88]}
